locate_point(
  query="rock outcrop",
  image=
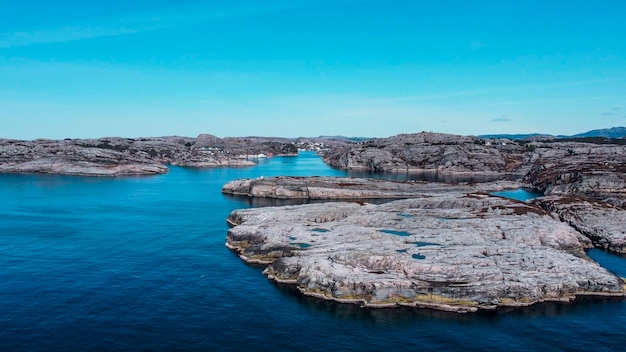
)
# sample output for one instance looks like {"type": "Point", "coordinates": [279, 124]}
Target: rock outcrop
{"type": "Point", "coordinates": [430, 153]}
{"type": "Point", "coordinates": [602, 223]}
{"type": "Point", "coordinates": [315, 188]}
{"type": "Point", "coordinates": [584, 167]}
{"type": "Point", "coordinates": [595, 171]}
{"type": "Point", "coordinates": [453, 251]}
{"type": "Point", "coordinates": [142, 156]}
{"type": "Point", "coordinates": [71, 158]}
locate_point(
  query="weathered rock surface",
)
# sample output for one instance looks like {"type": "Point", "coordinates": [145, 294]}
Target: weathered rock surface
{"type": "Point", "coordinates": [553, 167]}
{"type": "Point", "coordinates": [66, 157]}
{"type": "Point", "coordinates": [596, 171]}
{"type": "Point", "coordinates": [451, 251]}
{"type": "Point", "coordinates": [288, 187]}
{"type": "Point", "coordinates": [429, 153]}
{"type": "Point", "coordinates": [603, 223]}
{"type": "Point", "coordinates": [127, 156]}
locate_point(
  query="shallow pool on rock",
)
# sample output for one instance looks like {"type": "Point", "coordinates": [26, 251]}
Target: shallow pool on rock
{"type": "Point", "coordinates": [404, 215]}
{"type": "Point", "coordinates": [518, 194]}
{"type": "Point", "coordinates": [395, 232]}
{"type": "Point", "coordinates": [302, 245]}
{"type": "Point", "coordinates": [424, 244]}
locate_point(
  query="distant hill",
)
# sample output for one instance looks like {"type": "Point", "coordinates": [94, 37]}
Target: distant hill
{"type": "Point", "coordinates": [515, 136]}
{"type": "Point", "coordinates": [614, 132]}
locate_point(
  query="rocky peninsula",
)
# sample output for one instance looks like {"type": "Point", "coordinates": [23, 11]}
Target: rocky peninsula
{"type": "Point", "coordinates": [451, 246]}
{"type": "Point", "coordinates": [451, 250]}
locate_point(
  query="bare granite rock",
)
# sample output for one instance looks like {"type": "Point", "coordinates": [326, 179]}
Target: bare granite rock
{"type": "Point", "coordinates": [429, 153]}
{"type": "Point", "coordinates": [595, 171]}
{"type": "Point", "coordinates": [115, 156]}
{"type": "Point", "coordinates": [64, 157]}
{"type": "Point", "coordinates": [603, 223]}
{"type": "Point", "coordinates": [288, 187]}
{"type": "Point", "coordinates": [583, 167]}
{"type": "Point", "coordinates": [451, 251]}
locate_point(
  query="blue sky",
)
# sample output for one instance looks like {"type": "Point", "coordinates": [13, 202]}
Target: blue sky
{"type": "Point", "coordinates": [81, 69]}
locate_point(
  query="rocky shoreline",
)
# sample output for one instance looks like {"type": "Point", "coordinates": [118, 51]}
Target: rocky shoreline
{"type": "Point", "coordinates": [447, 250]}
{"type": "Point", "coordinates": [581, 167]}
{"type": "Point", "coordinates": [604, 224]}
{"type": "Point", "coordinates": [452, 247]}
{"type": "Point", "coordinates": [140, 156]}
{"type": "Point", "coordinates": [317, 188]}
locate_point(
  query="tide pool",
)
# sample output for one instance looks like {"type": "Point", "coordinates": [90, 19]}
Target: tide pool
{"type": "Point", "coordinates": [518, 194]}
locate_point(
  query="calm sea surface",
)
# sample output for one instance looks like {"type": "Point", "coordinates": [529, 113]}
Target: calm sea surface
{"type": "Point", "coordinates": [139, 264]}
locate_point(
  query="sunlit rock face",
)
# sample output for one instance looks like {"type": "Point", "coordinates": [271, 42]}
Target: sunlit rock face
{"type": "Point", "coordinates": [603, 223]}
{"type": "Point", "coordinates": [114, 156]}
{"type": "Point", "coordinates": [454, 251]}
{"type": "Point", "coordinates": [289, 187]}
{"type": "Point", "coordinates": [429, 153]}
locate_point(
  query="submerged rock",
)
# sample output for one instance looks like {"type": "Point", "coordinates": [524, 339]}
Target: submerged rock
{"type": "Point", "coordinates": [452, 251]}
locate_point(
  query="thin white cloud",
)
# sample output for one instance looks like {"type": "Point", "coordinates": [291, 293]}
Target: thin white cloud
{"type": "Point", "coordinates": [501, 119]}
{"type": "Point", "coordinates": [151, 20]}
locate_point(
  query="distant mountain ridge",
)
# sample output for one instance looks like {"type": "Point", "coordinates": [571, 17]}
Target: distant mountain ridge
{"type": "Point", "coordinates": [613, 132]}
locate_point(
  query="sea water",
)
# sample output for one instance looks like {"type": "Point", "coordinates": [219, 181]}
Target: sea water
{"type": "Point", "coordinates": [139, 264]}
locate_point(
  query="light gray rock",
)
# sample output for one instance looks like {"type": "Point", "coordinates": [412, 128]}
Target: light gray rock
{"type": "Point", "coordinates": [287, 187]}
{"type": "Point", "coordinates": [603, 223]}
{"type": "Point", "coordinates": [113, 156]}
{"type": "Point", "coordinates": [65, 157]}
{"type": "Point", "coordinates": [596, 171]}
{"type": "Point", "coordinates": [551, 167]}
{"type": "Point", "coordinates": [426, 152]}
{"type": "Point", "coordinates": [451, 251]}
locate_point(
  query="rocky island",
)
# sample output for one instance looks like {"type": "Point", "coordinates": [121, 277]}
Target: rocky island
{"type": "Point", "coordinates": [447, 250]}
{"type": "Point", "coordinates": [116, 156]}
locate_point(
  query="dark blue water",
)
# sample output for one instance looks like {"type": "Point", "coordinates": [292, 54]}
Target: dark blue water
{"type": "Point", "coordinates": [139, 264]}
